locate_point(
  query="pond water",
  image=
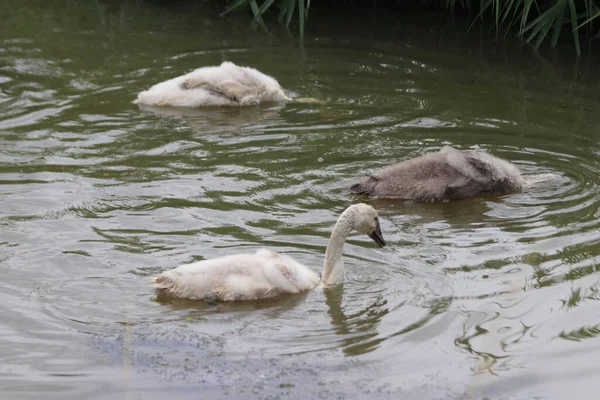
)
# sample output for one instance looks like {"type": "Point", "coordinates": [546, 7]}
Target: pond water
{"type": "Point", "coordinates": [494, 297]}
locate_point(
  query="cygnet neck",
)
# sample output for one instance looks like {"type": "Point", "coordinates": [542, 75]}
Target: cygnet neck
{"type": "Point", "coordinates": [333, 267]}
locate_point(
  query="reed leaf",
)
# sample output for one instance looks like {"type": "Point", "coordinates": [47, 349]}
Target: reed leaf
{"type": "Point", "coordinates": [589, 20]}
{"type": "Point", "coordinates": [236, 4]}
{"type": "Point", "coordinates": [574, 25]}
{"type": "Point", "coordinates": [534, 21]}
{"type": "Point", "coordinates": [301, 17]}
{"type": "Point", "coordinates": [265, 6]}
{"type": "Point", "coordinates": [290, 12]}
{"type": "Point", "coordinates": [526, 9]}
{"type": "Point", "coordinates": [283, 6]}
{"type": "Point", "coordinates": [257, 15]}
{"type": "Point", "coordinates": [546, 26]}
{"type": "Point", "coordinates": [558, 23]}
{"type": "Point", "coordinates": [508, 7]}
{"type": "Point", "coordinates": [497, 16]}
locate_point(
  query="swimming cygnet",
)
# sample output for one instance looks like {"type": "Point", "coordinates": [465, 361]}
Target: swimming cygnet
{"type": "Point", "coordinates": [223, 85]}
{"type": "Point", "coordinates": [266, 274]}
{"type": "Point", "coordinates": [447, 175]}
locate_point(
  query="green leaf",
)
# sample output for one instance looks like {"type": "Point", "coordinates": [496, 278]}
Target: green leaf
{"type": "Point", "coordinates": [536, 26]}
{"type": "Point", "coordinates": [257, 17]}
{"type": "Point", "coordinates": [573, 10]}
{"type": "Point", "coordinates": [483, 7]}
{"type": "Point", "coordinates": [546, 25]}
{"type": "Point", "coordinates": [265, 6]}
{"type": "Point", "coordinates": [282, 9]}
{"type": "Point", "coordinates": [506, 8]}
{"type": "Point", "coordinates": [290, 12]}
{"type": "Point", "coordinates": [301, 17]}
{"type": "Point", "coordinates": [558, 22]}
{"type": "Point", "coordinates": [590, 19]}
{"type": "Point", "coordinates": [588, 4]}
{"type": "Point", "coordinates": [234, 6]}
{"type": "Point", "coordinates": [497, 17]}
{"type": "Point", "coordinates": [526, 9]}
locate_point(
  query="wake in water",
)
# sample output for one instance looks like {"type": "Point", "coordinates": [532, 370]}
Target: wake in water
{"type": "Point", "coordinates": [534, 180]}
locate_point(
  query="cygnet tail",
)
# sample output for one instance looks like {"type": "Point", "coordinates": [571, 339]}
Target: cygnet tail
{"type": "Point", "coordinates": [308, 100]}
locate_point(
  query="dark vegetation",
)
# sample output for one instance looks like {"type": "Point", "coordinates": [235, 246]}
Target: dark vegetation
{"type": "Point", "coordinates": [534, 22]}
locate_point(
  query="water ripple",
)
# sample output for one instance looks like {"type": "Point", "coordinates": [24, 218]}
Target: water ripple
{"type": "Point", "coordinates": [98, 194]}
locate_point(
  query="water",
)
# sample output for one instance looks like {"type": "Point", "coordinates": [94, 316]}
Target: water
{"type": "Point", "coordinates": [493, 297]}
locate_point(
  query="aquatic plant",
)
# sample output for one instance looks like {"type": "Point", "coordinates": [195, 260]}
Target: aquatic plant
{"type": "Point", "coordinates": [536, 20]}
{"type": "Point", "coordinates": [533, 21]}
{"type": "Point", "coordinates": [286, 10]}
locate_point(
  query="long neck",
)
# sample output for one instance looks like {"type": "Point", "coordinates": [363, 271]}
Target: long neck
{"type": "Point", "coordinates": [333, 268]}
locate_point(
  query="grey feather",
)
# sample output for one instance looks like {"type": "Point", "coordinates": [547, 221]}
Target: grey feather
{"type": "Point", "coordinates": [447, 175]}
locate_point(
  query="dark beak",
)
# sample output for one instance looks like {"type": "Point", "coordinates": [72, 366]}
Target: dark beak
{"type": "Point", "coordinates": [377, 236]}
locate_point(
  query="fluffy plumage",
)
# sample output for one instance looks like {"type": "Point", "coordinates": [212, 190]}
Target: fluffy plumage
{"type": "Point", "coordinates": [266, 274]}
{"type": "Point", "coordinates": [447, 175]}
{"type": "Point", "coordinates": [263, 274]}
{"type": "Point", "coordinates": [223, 85]}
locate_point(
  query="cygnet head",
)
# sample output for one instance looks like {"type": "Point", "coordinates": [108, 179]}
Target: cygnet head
{"type": "Point", "coordinates": [365, 219]}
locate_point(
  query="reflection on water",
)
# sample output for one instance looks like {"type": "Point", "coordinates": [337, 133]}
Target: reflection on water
{"type": "Point", "coordinates": [482, 297]}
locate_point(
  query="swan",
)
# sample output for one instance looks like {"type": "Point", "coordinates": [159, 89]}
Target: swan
{"type": "Point", "coordinates": [224, 85]}
{"type": "Point", "coordinates": [266, 274]}
{"type": "Point", "coordinates": [447, 175]}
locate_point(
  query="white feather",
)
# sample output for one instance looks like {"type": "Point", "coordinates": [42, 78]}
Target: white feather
{"type": "Point", "coordinates": [266, 274]}
{"type": "Point", "coordinates": [223, 85]}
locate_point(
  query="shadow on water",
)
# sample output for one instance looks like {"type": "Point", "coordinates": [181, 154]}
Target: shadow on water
{"type": "Point", "coordinates": [354, 330]}
{"type": "Point", "coordinates": [197, 308]}
{"type": "Point", "coordinates": [359, 328]}
{"type": "Point", "coordinates": [241, 120]}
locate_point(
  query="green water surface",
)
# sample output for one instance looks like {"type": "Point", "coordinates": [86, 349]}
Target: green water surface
{"type": "Point", "coordinates": [492, 297]}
